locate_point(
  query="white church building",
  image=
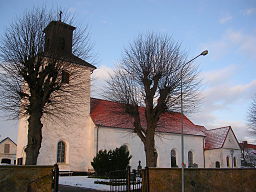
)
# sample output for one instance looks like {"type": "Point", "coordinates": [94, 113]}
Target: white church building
{"type": "Point", "coordinates": [104, 125]}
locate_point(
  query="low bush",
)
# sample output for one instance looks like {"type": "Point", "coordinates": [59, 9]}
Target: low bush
{"type": "Point", "coordinates": [107, 161]}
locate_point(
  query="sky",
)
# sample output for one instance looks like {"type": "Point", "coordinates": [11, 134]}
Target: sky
{"type": "Point", "coordinates": [226, 28]}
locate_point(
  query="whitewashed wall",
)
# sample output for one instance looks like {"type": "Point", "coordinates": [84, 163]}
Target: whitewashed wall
{"type": "Point", "coordinates": [76, 132]}
{"type": "Point", "coordinates": [110, 138]}
{"type": "Point", "coordinates": [211, 156]}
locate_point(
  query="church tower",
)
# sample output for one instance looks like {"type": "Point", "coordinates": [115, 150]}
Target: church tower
{"type": "Point", "coordinates": [58, 37]}
{"type": "Point", "coordinates": [70, 144]}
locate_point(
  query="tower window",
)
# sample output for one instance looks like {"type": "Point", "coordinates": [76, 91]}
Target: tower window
{"type": "Point", "coordinates": [65, 77]}
{"type": "Point", "coordinates": [61, 152]}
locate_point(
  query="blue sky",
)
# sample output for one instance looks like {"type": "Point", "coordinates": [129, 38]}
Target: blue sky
{"type": "Point", "coordinates": [226, 28]}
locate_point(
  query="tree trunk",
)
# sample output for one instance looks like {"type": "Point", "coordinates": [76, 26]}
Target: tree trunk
{"type": "Point", "coordinates": [151, 154]}
{"type": "Point", "coordinates": [34, 134]}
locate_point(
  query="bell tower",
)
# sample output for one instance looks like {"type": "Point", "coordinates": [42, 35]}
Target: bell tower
{"type": "Point", "coordinates": [58, 38]}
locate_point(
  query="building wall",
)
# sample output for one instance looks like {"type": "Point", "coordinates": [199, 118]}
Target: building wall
{"type": "Point", "coordinates": [110, 138]}
{"type": "Point", "coordinates": [12, 152]}
{"type": "Point", "coordinates": [76, 132]}
{"type": "Point", "coordinates": [230, 144]}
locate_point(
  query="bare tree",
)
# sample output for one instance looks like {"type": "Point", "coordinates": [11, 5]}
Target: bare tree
{"type": "Point", "coordinates": [252, 115]}
{"type": "Point", "coordinates": [150, 76]}
{"type": "Point", "coordinates": [39, 80]}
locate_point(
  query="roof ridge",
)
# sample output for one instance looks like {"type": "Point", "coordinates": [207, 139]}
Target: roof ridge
{"type": "Point", "coordinates": [218, 128]}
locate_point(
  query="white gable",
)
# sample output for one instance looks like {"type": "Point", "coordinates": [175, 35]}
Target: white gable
{"type": "Point", "coordinates": [231, 141]}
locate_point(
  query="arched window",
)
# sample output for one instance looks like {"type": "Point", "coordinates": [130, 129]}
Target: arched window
{"type": "Point", "coordinates": [217, 164]}
{"type": "Point", "coordinates": [227, 158]}
{"type": "Point", "coordinates": [234, 161]}
{"type": "Point", "coordinates": [61, 152]}
{"type": "Point", "coordinates": [173, 158]}
{"type": "Point", "coordinates": [190, 159]}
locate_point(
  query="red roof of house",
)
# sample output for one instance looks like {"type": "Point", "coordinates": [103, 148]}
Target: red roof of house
{"type": "Point", "coordinates": [111, 114]}
{"type": "Point", "coordinates": [247, 146]}
{"type": "Point", "coordinates": [215, 138]}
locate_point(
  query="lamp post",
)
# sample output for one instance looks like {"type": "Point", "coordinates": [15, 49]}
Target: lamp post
{"type": "Point", "coordinates": [182, 125]}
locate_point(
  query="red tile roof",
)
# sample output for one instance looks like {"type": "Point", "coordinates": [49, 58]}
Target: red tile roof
{"type": "Point", "coordinates": [111, 114]}
{"type": "Point", "coordinates": [215, 138]}
{"type": "Point", "coordinates": [247, 146]}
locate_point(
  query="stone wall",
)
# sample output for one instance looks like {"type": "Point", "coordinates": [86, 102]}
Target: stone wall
{"type": "Point", "coordinates": [26, 178]}
{"type": "Point", "coordinates": [199, 180]}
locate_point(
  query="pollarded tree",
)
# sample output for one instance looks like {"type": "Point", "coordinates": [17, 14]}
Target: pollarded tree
{"type": "Point", "coordinates": [150, 75]}
{"type": "Point", "coordinates": [252, 115]}
{"type": "Point", "coordinates": [38, 76]}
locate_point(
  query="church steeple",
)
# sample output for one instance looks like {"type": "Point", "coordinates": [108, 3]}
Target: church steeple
{"type": "Point", "coordinates": [58, 38]}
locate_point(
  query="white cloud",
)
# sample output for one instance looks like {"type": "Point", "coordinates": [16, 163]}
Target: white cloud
{"type": "Point", "coordinates": [219, 97]}
{"type": "Point", "coordinates": [99, 77]}
{"type": "Point", "coordinates": [225, 19]}
{"type": "Point", "coordinates": [249, 11]}
{"type": "Point", "coordinates": [243, 42]}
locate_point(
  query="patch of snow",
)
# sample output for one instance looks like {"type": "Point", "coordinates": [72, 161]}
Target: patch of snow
{"type": "Point", "coordinates": [83, 181]}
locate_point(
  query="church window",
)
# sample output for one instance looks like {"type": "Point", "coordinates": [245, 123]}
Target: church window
{"type": "Point", "coordinates": [61, 152]}
{"type": "Point", "coordinates": [190, 159]}
{"type": "Point", "coordinates": [234, 161]}
{"type": "Point", "coordinates": [65, 77]}
{"type": "Point", "coordinates": [6, 148]}
{"type": "Point", "coordinates": [173, 158]}
{"type": "Point", "coordinates": [217, 164]}
{"type": "Point", "coordinates": [227, 159]}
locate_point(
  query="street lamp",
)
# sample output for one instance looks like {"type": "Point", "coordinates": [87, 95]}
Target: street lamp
{"type": "Point", "coordinates": [205, 52]}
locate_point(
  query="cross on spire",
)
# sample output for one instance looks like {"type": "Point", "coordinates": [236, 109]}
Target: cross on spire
{"type": "Point", "coordinates": [60, 15]}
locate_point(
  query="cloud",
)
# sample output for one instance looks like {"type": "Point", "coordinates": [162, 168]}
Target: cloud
{"type": "Point", "coordinates": [216, 76]}
{"type": "Point", "coordinates": [249, 11]}
{"type": "Point", "coordinates": [225, 19]}
{"type": "Point", "coordinates": [232, 40]}
{"type": "Point", "coordinates": [221, 97]}
{"type": "Point", "coordinates": [99, 77]}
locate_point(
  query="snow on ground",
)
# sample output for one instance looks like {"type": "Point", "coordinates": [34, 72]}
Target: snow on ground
{"type": "Point", "coordinates": [83, 181]}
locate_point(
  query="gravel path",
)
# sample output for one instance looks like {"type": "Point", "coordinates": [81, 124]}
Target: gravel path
{"type": "Point", "coordinates": [66, 188]}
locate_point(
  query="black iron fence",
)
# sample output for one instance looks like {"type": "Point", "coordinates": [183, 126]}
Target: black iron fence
{"type": "Point", "coordinates": [125, 180]}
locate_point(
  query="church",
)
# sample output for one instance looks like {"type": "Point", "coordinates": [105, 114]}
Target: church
{"type": "Point", "coordinates": [104, 125]}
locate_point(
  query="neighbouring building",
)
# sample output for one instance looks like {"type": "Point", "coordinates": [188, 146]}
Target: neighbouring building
{"type": "Point", "coordinates": [248, 158]}
{"type": "Point", "coordinates": [104, 125]}
{"type": "Point", "coordinates": [8, 151]}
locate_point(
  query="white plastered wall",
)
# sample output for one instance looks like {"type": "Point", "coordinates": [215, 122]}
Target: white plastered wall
{"type": "Point", "coordinates": [230, 144]}
{"type": "Point", "coordinates": [76, 132]}
{"type": "Point", "coordinates": [110, 138]}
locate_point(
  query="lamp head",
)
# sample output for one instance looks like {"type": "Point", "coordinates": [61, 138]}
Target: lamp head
{"type": "Point", "coordinates": [205, 52]}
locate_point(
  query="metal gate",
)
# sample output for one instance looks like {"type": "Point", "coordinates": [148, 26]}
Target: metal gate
{"type": "Point", "coordinates": [125, 180]}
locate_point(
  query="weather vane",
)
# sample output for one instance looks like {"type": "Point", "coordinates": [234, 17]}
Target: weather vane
{"type": "Point", "coordinates": [60, 15]}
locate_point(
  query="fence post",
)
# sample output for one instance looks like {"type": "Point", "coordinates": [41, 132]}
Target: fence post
{"type": "Point", "coordinates": [56, 178]}
{"type": "Point", "coordinates": [147, 179]}
{"type": "Point", "coordinates": [128, 179]}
